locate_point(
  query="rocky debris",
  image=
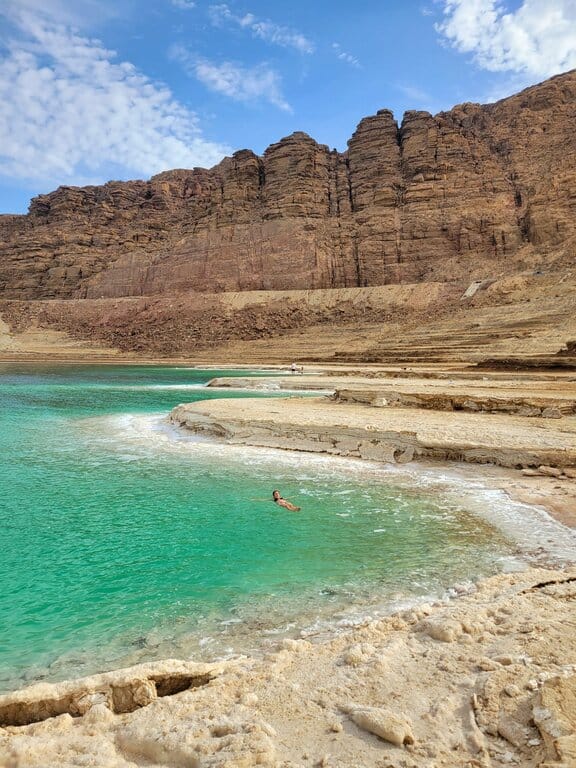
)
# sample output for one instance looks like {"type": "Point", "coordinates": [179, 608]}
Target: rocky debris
{"type": "Point", "coordinates": [187, 323]}
{"type": "Point", "coordinates": [531, 406]}
{"type": "Point", "coordinates": [119, 691]}
{"type": "Point", "coordinates": [401, 324]}
{"type": "Point", "coordinates": [527, 363]}
{"type": "Point", "coordinates": [456, 196]}
{"type": "Point", "coordinates": [545, 471]}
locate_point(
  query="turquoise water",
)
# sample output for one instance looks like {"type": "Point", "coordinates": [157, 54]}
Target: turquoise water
{"type": "Point", "coordinates": [126, 540]}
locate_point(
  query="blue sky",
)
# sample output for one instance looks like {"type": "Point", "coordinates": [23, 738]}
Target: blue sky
{"type": "Point", "coordinates": [93, 90]}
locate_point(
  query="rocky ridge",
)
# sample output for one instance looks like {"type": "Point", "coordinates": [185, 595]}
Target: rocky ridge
{"type": "Point", "coordinates": [478, 189]}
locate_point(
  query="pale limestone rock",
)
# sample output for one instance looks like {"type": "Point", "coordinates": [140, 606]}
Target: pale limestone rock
{"type": "Point", "coordinates": [358, 654]}
{"type": "Point", "coordinates": [446, 630]}
{"type": "Point", "coordinates": [551, 413]}
{"type": "Point", "coordinates": [549, 471]}
{"type": "Point", "coordinates": [388, 725]}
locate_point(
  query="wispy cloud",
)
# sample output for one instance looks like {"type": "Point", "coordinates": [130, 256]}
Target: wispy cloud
{"type": "Point", "coordinates": [417, 95]}
{"type": "Point", "coordinates": [276, 34]}
{"type": "Point", "coordinates": [247, 84]}
{"type": "Point", "coordinates": [538, 38]}
{"type": "Point", "coordinates": [185, 5]}
{"type": "Point", "coordinates": [344, 56]}
{"type": "Point", "coordinates": [70, 12]}
{"type": "Point", "coordinates": [70, 110]}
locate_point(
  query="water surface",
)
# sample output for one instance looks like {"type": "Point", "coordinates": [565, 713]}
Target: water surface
{"type": "Point", "coordinates": [126, 540]}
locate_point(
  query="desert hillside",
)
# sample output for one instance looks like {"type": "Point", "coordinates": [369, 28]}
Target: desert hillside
{"type": "Point", "coordinates": [463, 223]}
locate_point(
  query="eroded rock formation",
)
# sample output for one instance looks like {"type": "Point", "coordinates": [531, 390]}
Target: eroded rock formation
{"type": "Point", "coordinates": [435, 198]}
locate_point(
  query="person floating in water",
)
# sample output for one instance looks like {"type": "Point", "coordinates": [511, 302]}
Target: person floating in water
{"type": "Point", "coordinates": [277, 499]}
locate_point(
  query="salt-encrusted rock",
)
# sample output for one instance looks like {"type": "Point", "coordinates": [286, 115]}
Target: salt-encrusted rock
{"type": "Point", "coordinates": [405, 456]}
{"type": "Point", "coordinates": [549, 471]}
{"type": "Point", "coordinates": [98, 714]}
{"type": "Point", "coordinates": [388, 725]}
{"type": "Point", "coordinates": [123, 690]}
{"type": "Point", "coordinates": [446, 630]}
{"type": "Point", "coordinates": [297, 646]}
{"type": "Point", "coordinates": [249, 699]}
{"type": "Point", "coordinates": [358, 654]}
{"type": "Point", "coordinates": [512, 731]}
{"type": "Point", "coordinates": [555, 717]}
{"type": "Point", "coordinates": [487, 665]}
{"type": "Point", "coordinates": [552, 413]}
{"type": "Point", "coordinates": [84, 703]}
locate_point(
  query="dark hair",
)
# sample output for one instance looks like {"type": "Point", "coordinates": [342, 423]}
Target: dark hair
{"type": "Point", "coordinates": [275, 491]}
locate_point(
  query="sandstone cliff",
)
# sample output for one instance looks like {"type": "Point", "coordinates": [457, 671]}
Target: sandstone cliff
{"type": "Point", "coordinates": [459, 194]}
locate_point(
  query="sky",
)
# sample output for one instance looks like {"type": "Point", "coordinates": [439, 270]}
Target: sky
{"type": "Point", "coordinates": [95, 90]}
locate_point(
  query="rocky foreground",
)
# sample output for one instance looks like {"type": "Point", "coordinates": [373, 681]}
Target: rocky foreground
{"type": "Point", "coordinates": [488, 679]}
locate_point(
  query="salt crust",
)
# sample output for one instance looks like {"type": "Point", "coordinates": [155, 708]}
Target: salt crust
{"type": "Point", "coordinates": [487, 679]}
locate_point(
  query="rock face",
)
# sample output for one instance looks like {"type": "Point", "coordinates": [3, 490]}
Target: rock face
{"type": "Point", "coordinates": [438, 197]}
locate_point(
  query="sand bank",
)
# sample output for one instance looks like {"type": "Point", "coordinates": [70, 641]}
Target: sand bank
{"type": "Point", "coordinates": [386, 434]}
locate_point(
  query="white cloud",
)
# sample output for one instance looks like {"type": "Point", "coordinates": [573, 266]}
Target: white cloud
{"type": "Point", "coordinates": [233, 80]}
{"type": "Point", "coordinates": [539, 38]}
{"type": "Point", "coordinates": [344, 56]}
{"type": "Point", "coordinates": [71, 111]}
{"type": "Point", "coordinates": [184, 5]}
{"type": "Point", "coordinates": [71, 12]}
{"type": "Point", "coordinates": [265, 30]}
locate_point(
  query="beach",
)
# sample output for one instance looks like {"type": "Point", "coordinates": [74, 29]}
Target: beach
{"type": "Point", "coordinates": [484, 677]}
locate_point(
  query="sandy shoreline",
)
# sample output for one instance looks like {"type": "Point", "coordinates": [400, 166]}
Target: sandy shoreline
{"type": "Point", "coordinates": [486, 679]}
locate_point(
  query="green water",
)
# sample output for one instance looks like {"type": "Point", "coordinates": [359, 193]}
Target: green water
{"type": "Point", "coordinates": [125, 540]}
